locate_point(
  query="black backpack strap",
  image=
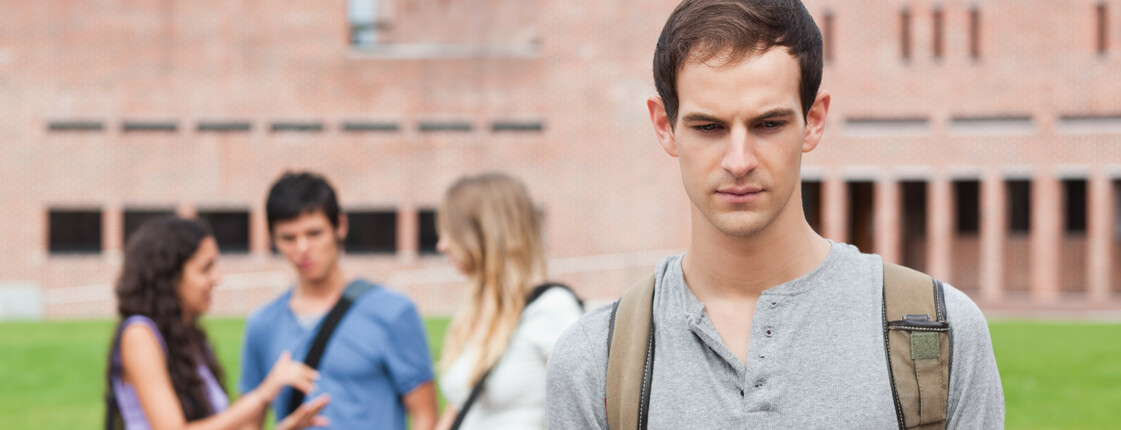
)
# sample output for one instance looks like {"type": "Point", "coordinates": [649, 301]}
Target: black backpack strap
{"type": "Point", "coordinates": [478, 388]}
{"type": "Point", "coordinates": [918, 346]}
{"type": "Point", "coordinates": [326, 329]}
{"type": "Point", "coordinates": [630, 359]}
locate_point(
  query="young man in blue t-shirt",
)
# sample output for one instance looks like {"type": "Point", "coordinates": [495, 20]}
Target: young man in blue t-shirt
{"type": "Point", "coordinates": [376, 366]}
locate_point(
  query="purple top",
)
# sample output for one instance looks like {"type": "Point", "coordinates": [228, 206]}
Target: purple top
{"type": "Point", "coordinates": [131, 412]}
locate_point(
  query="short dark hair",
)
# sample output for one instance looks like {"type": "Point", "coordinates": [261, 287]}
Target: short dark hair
{"type": "Point", "coordinates": [699, 30]}
{"type": "Point", "coordinates": [298, 193]}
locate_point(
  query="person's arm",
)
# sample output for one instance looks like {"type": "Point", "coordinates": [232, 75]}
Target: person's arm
{"type": "Point", "coordinates": [144, 365]}
{"type": "Point", "coordinates": [420, 403]}
{"type": "Point", "coordinates": [410, 366]}
{"type": "Point", "coordinates": [447, 418]}
{"type": "Point", "coordinates": [976, 397]}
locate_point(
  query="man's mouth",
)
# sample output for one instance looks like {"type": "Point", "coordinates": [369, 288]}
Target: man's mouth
{"type": "Point", "coordinates": [740, 194]}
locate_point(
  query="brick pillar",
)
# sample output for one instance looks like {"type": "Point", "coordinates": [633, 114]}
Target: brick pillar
{"type": "Point", "coordinates": [112, 232]}
{"type": "Point", "coordinates": [994, 231]}
{"type": "Point", "coordinates": [259, 241]}
{"type": "Point", "coordinates": [408, 236]}
{"type": "Point", "coordinates": [940, 229]}
{"type": "Point", "coordinates": [1046, 239]}
{"type": "Point", "coordinates": [187, 210]}
{"type": "Point", "coordinates": [834, 213]}
{"type": "Point", "coordinates": [888, 225]}
{"type": "Point", "coordinates": [1099, 236]}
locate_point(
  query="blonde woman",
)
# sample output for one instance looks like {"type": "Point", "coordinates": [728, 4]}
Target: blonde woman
{"type": "Point", "coordinates": [505, 330]}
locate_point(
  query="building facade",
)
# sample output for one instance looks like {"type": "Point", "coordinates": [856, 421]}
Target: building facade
{"type": "Point", "coordinates": [977, 140]}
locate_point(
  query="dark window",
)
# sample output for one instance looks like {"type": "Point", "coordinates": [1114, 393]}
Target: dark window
{"type": "Point", "coordinates": [862, 215]}
{"type": "Point", "coordinates": [429, 126]}
{"type": "Point", "coordinates": [1074, 205]}
{"type": "Point", "coordinates": [135, 218]}
{"type": "Point", "coordinates": [75, 126]}
{"type": "Point", "coordinates": [914, 224]}
{"type": "Point", "coordinates": [372, 232]}
{"type": "Point", "coordinates": [1117, 208]}
{"type": "Point", "coordinates": [967, 202]}
{"type": "Point", "coordinates": [74, 232]}
{"type": "Point", "coordinates": [905, 34]}
{"type": "Point", "coordinates": [827, 35]}
{"type": "Point", "coordinates": [161, 126]}
{"type": "Point", "coordinates": [426, 230]}
{"type": "Point", "coordinates": [939, 32]}
{"type": "Point", "coordinates": [225, 126]}
{"type": "Point", "coordinates": [1103, 28]}
{"type": "Point", "coordinates": [1019, 206]}
{"type": "Point", "coordinates": [508, 125]}
{"type": "Point", "coordinates": [974, 33]}
{"type": "Point", "coordinates": [365, 126]}
{"type": "Point", "coordinates": [811, 203]}
{"type": "Point", "coordinates": [306, 127]}
{"type": "Point", "coordinates": [230, 228]}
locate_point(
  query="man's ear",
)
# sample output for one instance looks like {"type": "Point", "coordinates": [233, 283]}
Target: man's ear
{"type": "Point", "coordinates": [815, 121]}
{"type": "Point", "coordinates": [344, 227]}
{"type": "Point", "coordinates": [662, 126]}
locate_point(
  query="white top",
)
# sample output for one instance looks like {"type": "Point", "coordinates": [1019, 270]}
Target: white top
{"type": "Point", "coordinates": [514, 395]}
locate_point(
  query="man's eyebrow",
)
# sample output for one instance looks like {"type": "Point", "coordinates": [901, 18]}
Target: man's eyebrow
{"type": "Point", "coordinates": [699, 117]}
{"type": "Point", "coordinates": [773, 113]}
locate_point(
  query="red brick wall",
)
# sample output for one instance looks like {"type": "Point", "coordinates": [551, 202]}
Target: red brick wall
{"type": "Point", "coordinates": [613, 199]}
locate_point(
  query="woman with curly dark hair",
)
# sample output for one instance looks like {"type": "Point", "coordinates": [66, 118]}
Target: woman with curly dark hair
{"type": "Point", "coordinates": [162, 371]}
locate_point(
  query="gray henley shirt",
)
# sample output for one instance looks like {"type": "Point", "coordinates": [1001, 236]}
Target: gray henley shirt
{"type": "Point", "coordinates": [816, 359]}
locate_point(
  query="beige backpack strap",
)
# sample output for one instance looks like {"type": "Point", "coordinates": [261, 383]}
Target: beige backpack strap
{"type": "Point", "coordinates": [917, 341]}
{"type": "Point", "coordinates": [630, 357]}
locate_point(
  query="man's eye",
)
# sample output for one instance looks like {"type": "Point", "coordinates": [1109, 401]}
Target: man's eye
{"type": "Point", "coordinates": [771, 124]}
{"type": "Point", "coordinates": [707, 127]}
{"type": "Point", "coordinates": [287, 238]}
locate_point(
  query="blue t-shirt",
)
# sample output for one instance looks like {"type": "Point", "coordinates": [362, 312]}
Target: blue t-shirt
{"type": "Point", "coordinates": [378, 353]}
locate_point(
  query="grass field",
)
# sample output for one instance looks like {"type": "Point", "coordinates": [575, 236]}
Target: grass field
{"type": "Point", "coordinates": [1055, 375]}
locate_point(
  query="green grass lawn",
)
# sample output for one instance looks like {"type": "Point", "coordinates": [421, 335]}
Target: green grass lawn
{"type": "Point", "coordinates": [1055, 375]}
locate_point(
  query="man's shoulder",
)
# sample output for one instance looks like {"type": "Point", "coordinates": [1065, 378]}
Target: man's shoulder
{"type": "Point", "coordinates": [962, 311]}
{"type": "Point", "coordinates": [383, 303]}
{"type": "Point", "coordinates": [587, 335]}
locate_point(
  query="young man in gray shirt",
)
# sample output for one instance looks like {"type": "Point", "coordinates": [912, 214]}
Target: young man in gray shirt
{"type": "Point", "coordinates": [762, 323]}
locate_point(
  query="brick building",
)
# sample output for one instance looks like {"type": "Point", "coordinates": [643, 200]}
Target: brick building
{"type": "Point", "coordinates": [977, 140]}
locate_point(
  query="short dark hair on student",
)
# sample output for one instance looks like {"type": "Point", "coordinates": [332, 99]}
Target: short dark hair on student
{"type": "Point", "coordinates": [298, 193]}
{"type": "Point", "coordinates": [699, 30]}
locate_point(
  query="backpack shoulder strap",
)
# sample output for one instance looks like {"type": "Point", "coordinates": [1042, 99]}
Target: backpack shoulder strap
{"type": "Point", "coordinates": [917, 343]}
{"type": "Point", "coordinates": [630, 357]}
{"type": "Point", "coordinates": [326, 328]}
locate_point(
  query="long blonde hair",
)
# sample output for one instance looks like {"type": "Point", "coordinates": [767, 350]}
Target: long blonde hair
{"type": "Point", "coordinates": [494, 232]}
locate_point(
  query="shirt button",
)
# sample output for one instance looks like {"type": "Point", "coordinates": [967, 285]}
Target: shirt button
{"type": "Point", "coordinates": [774, 305]}
{"type": "Point", "coordinates": [770, 333]}
{"type": "Point", "coordinates": [759, 384]}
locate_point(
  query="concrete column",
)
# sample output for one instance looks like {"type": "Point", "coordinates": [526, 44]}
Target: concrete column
{"type": "Point", "coordinates": [1046, 238]}
{"type": "Point", "coordinates": [1099, 237]}
{"type": "Point", "coordinates": [408, 236]}
{"type": "Point", "coordinates": [888, 226]}
{"type": "Point", "coordinates": [940, 228]}
{"type": "Point", "coordinates": [994, 231]}
{"type": "Point", "coordinates": [835, 209]}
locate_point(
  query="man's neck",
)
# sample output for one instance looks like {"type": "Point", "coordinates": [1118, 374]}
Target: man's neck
{"type": "Point", "coordinates": [721, 266]}
{"type": "Point", "coordinates": [312, 294]}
